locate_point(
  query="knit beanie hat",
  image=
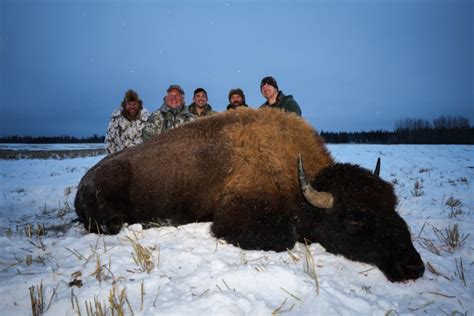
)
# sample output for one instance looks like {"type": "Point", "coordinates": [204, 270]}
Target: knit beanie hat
{"type": "Point", "coordinates": [199, 90]}
{"type": "Point", "coordinates": [237, 91]}
{"type": "Point", "coordinates": [269, 80]}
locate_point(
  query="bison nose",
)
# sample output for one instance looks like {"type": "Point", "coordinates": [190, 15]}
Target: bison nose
{"type": "Point", "coordinates": [413, 271]}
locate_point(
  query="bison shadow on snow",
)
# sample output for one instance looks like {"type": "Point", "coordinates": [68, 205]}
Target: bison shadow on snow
{"type": "Point", "coordinates": [239, 170]}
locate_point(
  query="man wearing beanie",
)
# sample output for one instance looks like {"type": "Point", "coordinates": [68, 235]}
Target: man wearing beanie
{"type": "Point", "coordinates": [275, 97]}
{"type": "Point", "coordinates": [172, 113]}
{"type": "Point", "coordinates": [126, 124]}
{"type": "Point", "coordinates": [236, 99]}
{"type": "Point", "coordinates": [200, 107]}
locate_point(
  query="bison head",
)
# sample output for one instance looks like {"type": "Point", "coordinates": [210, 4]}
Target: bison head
{"type": "Point", "coordinates": [356, 218]}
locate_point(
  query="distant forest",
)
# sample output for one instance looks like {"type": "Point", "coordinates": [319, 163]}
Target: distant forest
{"type": "Point", "coordinates": [63, 139]}
{"type": "Point", "coordinates": [443, 130]}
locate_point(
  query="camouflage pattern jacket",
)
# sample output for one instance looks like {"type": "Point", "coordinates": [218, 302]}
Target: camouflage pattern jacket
{"type": "Point", "coordinates": [123, 133]}
{"type": "Point", "coordinates": [207, 110]}
{"type": "Point", "coordinates": [166, 118]}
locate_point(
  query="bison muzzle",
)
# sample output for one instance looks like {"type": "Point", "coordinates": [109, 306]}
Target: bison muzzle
{"type": "Point", "coordinates": [239, 170]}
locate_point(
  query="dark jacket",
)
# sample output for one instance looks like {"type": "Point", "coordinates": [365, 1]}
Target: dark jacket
{"type": "Point", "coordinates": [285, 103]}
{"type": "Point", "coordinates": [207, 110]}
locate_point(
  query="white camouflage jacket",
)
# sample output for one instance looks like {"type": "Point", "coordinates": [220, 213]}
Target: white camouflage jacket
{"type": "Point", "coordinates": [123, 133]}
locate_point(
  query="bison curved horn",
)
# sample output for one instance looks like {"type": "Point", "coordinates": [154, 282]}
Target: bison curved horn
{"type": "Point", "coordinates": [315, 198]}
{"type": "Point", "coordinates": [377, 168]}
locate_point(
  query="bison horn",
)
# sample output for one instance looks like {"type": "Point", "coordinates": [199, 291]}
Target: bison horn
{"type": "Point", "coordinates": [315, 198]}
{"type": "Point", "coordinates": [377, 168]}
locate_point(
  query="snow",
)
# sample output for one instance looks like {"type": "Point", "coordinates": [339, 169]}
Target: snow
{"type": "Point", "coordinates": [192, 273]}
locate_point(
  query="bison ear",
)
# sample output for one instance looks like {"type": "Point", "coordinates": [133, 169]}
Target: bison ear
{"type": "Point", "coordinates": [315, 198]}
{"type": "Point", "coordinates": [377, 168]}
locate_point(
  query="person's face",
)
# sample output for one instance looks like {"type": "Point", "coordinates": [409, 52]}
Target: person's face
{"type": "Point", "coordinates": [236, 100]}
{"type": "Point", "coordinates": [200, 99]}
{"type": "Point", "coordinates": [174, 99]}
{"type": "Point", "coordinates": [269, 91]}
{"type": "Point", "coordinates": [131, 107]}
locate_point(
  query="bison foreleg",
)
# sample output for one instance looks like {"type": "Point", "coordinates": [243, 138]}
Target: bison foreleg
{"type": "Point", "coordinates": [255, 228]}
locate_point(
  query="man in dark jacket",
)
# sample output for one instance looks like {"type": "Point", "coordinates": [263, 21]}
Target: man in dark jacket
{"type": "Point", "coordinates": [200, 107]}
{"type": "Point", "coordinates": [236, 99]}
{"type": "Point", "coordinates": [276, 99]}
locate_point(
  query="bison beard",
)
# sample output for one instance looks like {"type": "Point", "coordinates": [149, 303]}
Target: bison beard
{"type": "Point", "coordinates": [238, 169]}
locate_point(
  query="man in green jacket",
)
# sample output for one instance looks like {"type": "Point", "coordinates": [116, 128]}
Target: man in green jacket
{"type": "Point", "coordinates": [200, 107]}
{"type": "Point", "coordinates": [276, 99]}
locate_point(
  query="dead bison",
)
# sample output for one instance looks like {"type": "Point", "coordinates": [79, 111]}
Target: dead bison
{"type": "Point", "coordinates": [239, 170]}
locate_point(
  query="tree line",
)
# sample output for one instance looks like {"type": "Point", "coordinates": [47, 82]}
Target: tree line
{"type": "Point", "coordinates": [443, 130]}
{"type": "Point", "coordinates": [63, 139]}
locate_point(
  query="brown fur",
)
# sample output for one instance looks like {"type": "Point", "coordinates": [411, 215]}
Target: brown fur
{"type": "Point", "coordinates": [239, 170]}
{"type": "Point", "coordinates": [189, 172]}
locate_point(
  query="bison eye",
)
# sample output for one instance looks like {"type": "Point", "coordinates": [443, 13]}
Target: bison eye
{"type": "Point", "coordinates": [354, 225]}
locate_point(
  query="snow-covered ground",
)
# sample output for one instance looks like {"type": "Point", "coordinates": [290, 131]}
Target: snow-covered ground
{"type": "Point", "coordinates": [185, 271]}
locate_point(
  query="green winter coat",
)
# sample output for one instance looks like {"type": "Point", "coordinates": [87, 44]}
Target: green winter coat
{"type": "Point", "coordinates": [207, 110]}
{"type": "Point", "coordinates": [285, 103]}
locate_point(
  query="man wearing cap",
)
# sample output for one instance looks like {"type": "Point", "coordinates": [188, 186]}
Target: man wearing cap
{"type": "Point", "coordinates": [200, 107]}
{"type": "Point", "coordinates": [126, 124]}
{"type": "Point", "coordinates": [275, 98]}
{"type": "Point", "coordinates": [171, 114]}
{"type": "Point", "coordinates": [236, 99]}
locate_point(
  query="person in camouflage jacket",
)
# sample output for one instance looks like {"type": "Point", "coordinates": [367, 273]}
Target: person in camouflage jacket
{"type": "Point", "coordinates": [276, 99]}
{"type": "Point", "coordinates": [200, 107]}
{"type": "Point", "coordinates": [171, 114]}
{"type": "Point", "coordinates": [126, 124]}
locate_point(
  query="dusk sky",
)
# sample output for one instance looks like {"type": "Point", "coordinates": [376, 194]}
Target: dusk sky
{"type": "Point", "coordinates": [351, 65]}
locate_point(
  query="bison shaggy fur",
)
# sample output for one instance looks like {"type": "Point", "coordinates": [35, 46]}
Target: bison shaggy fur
{"type": "Point", "coordinates": [238, 169]}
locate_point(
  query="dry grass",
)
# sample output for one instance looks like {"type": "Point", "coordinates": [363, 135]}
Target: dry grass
{"type": "Point", "coordinates": [428, 244]}
{"type": "Point", "coordinates": [37, 301]}
{"type": "Point", "coordinates": [423, 170]}
{"type": "Point", "coordinates": [143, 257]}
{"type": "Point", "coordinates": [31, 231]}
{"type": "Point", "coordinates": [310, 267]}
{"type": "Point", "coordinates": [455, 206]}
{"type": "Point", "coordinates": [39, 245]}
{"type": "Point", "coordinates": [453, 203]}
{"type": "Point", "coordinates": [432, 269]}
{"type": "Point", "coordinates": [451, 236]}
{"type": "Point", "coordinates": [96, 309]}
{"type": "Point", "coordinates": [293, 257]}
{"type": "Point", "coordinates": [280, 310]}
{"type": "Point", "coordinates": [117, 301]}
{"type": "Point", "coordinates": [417, 189]}
{"type": "Point", "coordinates": [460, 271]}
{"type": "Point", "coordinates": [291, 294]}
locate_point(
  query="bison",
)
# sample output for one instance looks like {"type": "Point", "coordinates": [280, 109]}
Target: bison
{"type": "Point", "coordinates": [239, 170]}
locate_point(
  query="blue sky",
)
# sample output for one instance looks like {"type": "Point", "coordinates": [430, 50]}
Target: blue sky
{"type": "Point", "coordinates": [351, 65]}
